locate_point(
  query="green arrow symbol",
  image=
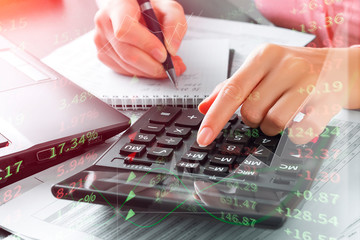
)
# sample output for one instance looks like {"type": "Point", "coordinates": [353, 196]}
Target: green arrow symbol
{"type": "Point", "coordinates": [131, 177]}
{"type": "Point", "coordinates": [130, 214]}
{"type": "Point", "coordinates": [130, 196]}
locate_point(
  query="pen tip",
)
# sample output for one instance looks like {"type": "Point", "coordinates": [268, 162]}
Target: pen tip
{"type": "Point", "coordinates": [172, 76]}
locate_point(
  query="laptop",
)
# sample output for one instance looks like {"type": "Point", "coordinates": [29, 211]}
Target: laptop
{"type": "Point", "coordinates": [44, 117]}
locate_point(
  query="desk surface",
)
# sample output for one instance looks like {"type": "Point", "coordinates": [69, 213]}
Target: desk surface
{"type": "Point", "coordinates": [40, 26]}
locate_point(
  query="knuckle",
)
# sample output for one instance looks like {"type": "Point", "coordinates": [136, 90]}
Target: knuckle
{"type": "Point", "coordinates": [232, 92]}
{"type": "Point", "coordinates": [175, 5]}
{"type": "Point", "coordinates": [276, 121]}
{"type": "Point", "coordinates": [293, 63]}
{"type": "Point", "coordinates": [127, 55]}
{"type": "Point", "coordinates": [250, 116]}
{"type": "Point", "coordinates": [268, 49]}
{"type": "Point", "coordinates": [125, 25]}
{"type": "Point", "coordinates": [98, 40]}
{"type": "Point", "coordinates": [100, 17]}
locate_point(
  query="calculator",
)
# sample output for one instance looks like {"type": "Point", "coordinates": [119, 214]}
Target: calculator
{"type": "Point", "coordinates": [243, 177]}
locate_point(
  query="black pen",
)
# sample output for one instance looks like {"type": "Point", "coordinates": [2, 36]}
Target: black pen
{"type": "Point", "coordinates": [154, 26]}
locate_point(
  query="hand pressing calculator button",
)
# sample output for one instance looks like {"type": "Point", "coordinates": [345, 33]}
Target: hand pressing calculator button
{"type": "Point", "coordinates": [164, 166]}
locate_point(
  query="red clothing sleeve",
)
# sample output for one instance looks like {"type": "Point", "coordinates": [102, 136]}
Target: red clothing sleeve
{"type": "Point", "coordinates": [336, 23]}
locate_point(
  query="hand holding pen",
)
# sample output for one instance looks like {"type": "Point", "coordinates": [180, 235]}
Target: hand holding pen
{"type": "Point", "coordinates": [125, 43]}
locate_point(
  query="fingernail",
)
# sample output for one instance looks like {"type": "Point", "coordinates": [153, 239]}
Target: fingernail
{"type": "Point", "coordinates": [204, 100]}
{"type": "Point", "coordinates": [158, 55]}
{"type": "Point", "coordinates": [205, 136]}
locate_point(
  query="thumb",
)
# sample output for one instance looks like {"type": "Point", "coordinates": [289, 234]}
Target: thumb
{"type": "Point", "coordinates": [173, 23]}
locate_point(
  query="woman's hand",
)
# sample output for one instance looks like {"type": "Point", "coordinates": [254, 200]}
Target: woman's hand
{"type": "Point", "coordinates": [126, 45]}
{"type": "Point", "coordinates": [275, 83]}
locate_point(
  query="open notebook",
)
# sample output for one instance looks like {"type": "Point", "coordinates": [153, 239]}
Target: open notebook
{"type": "Point", "coordinates": [205, 69]}
{"type": "Point", "coordinates": [205, 52]}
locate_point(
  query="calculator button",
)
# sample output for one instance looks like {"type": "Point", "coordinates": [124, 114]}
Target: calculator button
{"type": "Point", "coordinates": [288, 169]}
{"type": "Point", "coordinates": [219, 137]}
{"type": "Point", "coordinates": [279, 180]}
{"type": "Point", "coordinates": [189, 167]}
{"type": "Point", "coordinates": [238, 139]}
{"type": "Point", "coordinates": [233, 118]}
{"type": "Point", "coordinates": [192, 156]}
{"type": "Point", "coordinates": [189, 118]}
{"type": "Point", "coordinates": [135, 150]}
{"type": "Point", "coordinates": [231, 149]}
{"type": "Point", "coordinates": [152, 128]}
{"type": "Point", "coordinates": [208, 148]}
{"type": "Point", "coordinates": [269, 142]}
{"type": "Point", "coordinates": [221, 171]}
{"type": "Point", "coordinates": [243, 172]}
{"type": "Point", "coordinates": [165, 115]}
{"type": "Point", "coordinates": [293, 159]}
{"type": "Point", "coordinates": [159, 152]}
{"type": "Point", "coordinates": [176, 131]}
{"type": "Point", "coordinates": [170, 142]}
{"type": "Point", "coordinates": [218, 159]}
{"type": "Point", "coordinates": [241, 128]}
{"type": "Point", "coordinates": [253, 162]}
{"type": "Point", "coordinates": [227, 127]}
{"type": "Point", "coordinates": [262, 154]}
{"type": "Point", "coordinates": [143, 138]}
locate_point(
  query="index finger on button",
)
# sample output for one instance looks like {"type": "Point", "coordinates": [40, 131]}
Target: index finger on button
{"type": "Point", "coordinates": [233, 94]}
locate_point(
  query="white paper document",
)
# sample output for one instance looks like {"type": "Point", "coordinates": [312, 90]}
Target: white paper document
{"type": "Point", "coordinates": [205, 69]}
{"type": "Point", "coordinates": [204, 51]}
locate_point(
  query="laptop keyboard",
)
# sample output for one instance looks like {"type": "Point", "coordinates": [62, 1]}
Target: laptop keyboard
{"type": "Point", "coordinates": [159, 160]}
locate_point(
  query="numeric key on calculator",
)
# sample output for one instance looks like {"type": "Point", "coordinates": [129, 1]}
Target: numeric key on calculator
{"type": "Point", "coordinates": [263, 154]}
{"type": "Point", "coordinates": [231, 149]}
{"type": "Point", "coordinates": [238, 139]}
{"type": "Point", "coordinates": [269, 142]}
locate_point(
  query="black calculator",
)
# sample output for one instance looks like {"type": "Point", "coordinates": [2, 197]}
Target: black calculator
{"type": "Point", "coordinates": [243, 178]}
